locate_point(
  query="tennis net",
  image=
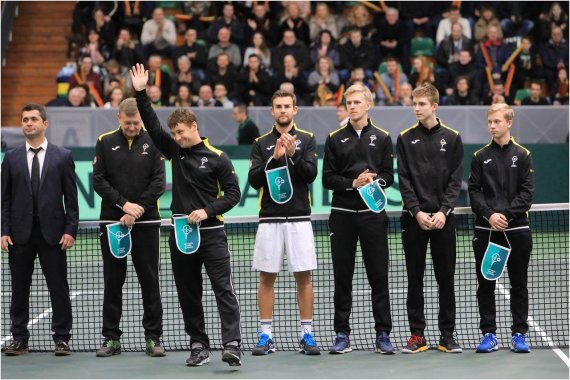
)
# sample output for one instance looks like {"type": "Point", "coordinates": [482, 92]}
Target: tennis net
{"type": "Point", "coordinates": [548, 291]}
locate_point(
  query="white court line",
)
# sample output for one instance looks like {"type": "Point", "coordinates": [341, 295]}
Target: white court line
{"type": "Point", "coordinates": [253, 291]}
{"type": "Point", "coordinates": [45, 313]}
{"type": "Point", "coordinates": [538, 329]}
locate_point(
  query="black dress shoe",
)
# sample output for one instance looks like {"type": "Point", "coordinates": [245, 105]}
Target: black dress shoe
{"type": "Point", "coordinates": [17, 347]}
{"type": "Point", "coordinates": [62, 349]}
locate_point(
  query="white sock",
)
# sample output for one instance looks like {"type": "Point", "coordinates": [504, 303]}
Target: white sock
{"type": "Point", "coordinates": [266, 326]}
{"type": "Point", "coordinates": [306, 326]}
{"type": "Point", "coordinates": [196, 345]}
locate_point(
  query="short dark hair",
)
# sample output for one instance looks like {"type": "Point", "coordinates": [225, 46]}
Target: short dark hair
{"type": "Point", "coordinates": [536, 81]}
{"type": "Point", "coordinates": [36, 107]}
{"type": "Point", "coordinates": [326, 31]}
{"type": "Point", "coordinates": [241, 107]}
{"type": "Point", "coordinates": [181, 115]}
{"type": "Point", "coordinates": [391, 58]}
{"type": "Point", "coordinates": [223, 53]}
{"type": "Point", "coordinates": [354, 29]}
{"type": "Point", "coordinates": [461, 77]}
{"type": "Point", "coordinates": [283, 94]}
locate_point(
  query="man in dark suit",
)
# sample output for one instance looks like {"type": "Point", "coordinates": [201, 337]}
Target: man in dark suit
{"type": "Point", "coordinates": [35, 179]}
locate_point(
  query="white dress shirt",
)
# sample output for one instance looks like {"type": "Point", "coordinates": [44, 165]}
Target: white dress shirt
{"type": "Point", "coordinates": [41, 156]}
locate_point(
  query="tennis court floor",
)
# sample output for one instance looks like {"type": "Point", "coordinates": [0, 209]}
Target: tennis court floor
{"type": "Point", "coordinates": [541, 364]}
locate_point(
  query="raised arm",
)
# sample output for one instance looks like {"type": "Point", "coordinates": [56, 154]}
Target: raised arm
{"type": "Point", "coordinates": [162, 139]}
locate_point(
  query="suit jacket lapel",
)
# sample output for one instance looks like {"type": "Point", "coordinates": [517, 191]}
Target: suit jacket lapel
{"type": "Point", "coordinates": [22, 160]}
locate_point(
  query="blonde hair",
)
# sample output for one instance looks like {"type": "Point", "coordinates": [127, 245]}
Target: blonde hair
{"type": "Point", "coordinates": [427, 90]}
{"type": "Point", "coordinates": [507, 111]}
{"type": "Point", "coordinates": [359, 88]}
{"type": "Point", "coordinates": [329, 61]}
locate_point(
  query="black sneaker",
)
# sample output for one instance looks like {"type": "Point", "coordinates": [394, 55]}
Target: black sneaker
{"type": "Point", "coordinates": [154, 348]}
{"type": "Point", "coordinates": [232, 355]}
{"type": "Point", "coordinates": [17, 347]}
{"type": "Point", "coordinates": [62, 349]}
{"type": "Point", "coordinates": [198, 355]}
{"type": "Point", "coordinates": [110, 347]}
{"type": "Point", "coordinates": [448, 344]}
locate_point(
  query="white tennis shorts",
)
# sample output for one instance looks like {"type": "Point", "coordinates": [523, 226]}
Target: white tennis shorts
{"type": "Point", "coordinates": [274, 239]}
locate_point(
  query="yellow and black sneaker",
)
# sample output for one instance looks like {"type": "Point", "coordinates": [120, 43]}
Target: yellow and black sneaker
{"type": "Point", "coordinates": [448, 344]}
{"type": "Point", "coordinates": [415, 344]}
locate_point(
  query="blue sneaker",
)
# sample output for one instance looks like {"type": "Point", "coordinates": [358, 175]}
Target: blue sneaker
{"type": "Point", "coordinates": [308, 346]}
{"type": "Point", "coordinates": [383, 344]}
{"type": "Point", "coordinates": [264, 346]}
{"type": "Point", "coordinates": [518, 344]}
{"type": "Point", "coordinates": [341, 344]}
{"type": "Point", "coordinates": [488, 344]}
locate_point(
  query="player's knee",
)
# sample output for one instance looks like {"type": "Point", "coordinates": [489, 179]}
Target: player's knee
{"type": "Point", "coordinates": [303, 279]}
{"type": "Point", "coordinates": [267, 279]}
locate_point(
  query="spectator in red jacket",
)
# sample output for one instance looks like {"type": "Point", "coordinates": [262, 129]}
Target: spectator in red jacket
{"type": "Point", "coordinates": [86, 75]}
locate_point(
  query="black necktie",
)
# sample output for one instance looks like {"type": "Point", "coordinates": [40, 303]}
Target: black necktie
{"type": "Point", "coordinates": [35, 178]}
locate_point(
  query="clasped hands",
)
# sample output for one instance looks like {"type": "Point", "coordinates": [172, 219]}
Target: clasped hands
{"type": "Point", "coordinates": [285, 145]}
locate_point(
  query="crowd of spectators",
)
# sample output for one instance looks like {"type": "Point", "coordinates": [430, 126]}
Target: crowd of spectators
{"type": "Point", "coordinates": [221, 54]}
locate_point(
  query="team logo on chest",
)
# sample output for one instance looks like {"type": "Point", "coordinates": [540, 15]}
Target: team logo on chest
{"type": "Point", "coordinates": [514, 159]}
{"type": "Point", "coordinates": [443, 143]}
{"type": "Point", "coordinates": [372, 139]}
{"type": "Point", "coordinates": [203, 161]}
{"type": "Point", "coordinates": [297, 144]}
{"type": "Point", "coordinates": [145, 147]}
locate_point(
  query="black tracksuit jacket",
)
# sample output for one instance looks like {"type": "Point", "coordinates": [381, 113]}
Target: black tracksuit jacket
{"type": "Point", "coordinates": [347, 155]}
{"type": "Point", "coordinates": [502, 180]}
{"type": "Point", "coordinates": [302, 169]}
{"type": "Point", "coordinates": [124, 173]}
{"type": "Point", "coordinates": [430, 168]}
{"type": "Point", "coordinates": [199, 174]}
